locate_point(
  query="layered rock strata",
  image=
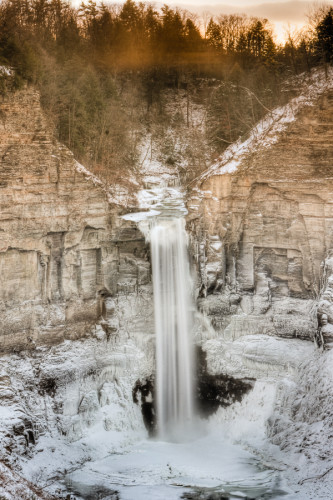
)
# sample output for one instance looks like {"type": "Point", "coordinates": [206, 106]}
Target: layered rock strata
{"type": "Point", "coordinates": [262, 223]}
{"type": "Point", "coordinates": [76, 319]}
{"type": "Point", "coordinates": [63, 248]}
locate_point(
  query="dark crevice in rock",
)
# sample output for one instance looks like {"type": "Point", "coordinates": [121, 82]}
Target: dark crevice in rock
{"type": "Point", "coordinates": [25, 429]}
{"type": "Point", "coordinates": [88, 492]}
{"type": "Point", "coordinates": [144, 395]}
{"type": "Point", "coordinates": [214, 391]}
{"type": "Point", "coordinates": [48, 385]}
{"type": "Point", "coordinates": [205, 495]}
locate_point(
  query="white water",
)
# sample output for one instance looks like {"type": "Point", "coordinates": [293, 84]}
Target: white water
{"type": "Point", "coordinates": [174, 343]}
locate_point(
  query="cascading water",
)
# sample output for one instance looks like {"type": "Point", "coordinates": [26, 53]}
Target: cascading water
{"type": "Point", "coordinates": [174, 343]}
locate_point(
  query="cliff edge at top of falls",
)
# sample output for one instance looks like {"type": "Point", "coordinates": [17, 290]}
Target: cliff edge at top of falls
{"type": "Point", "coordinates": [63, 247]}
{"type": "Point", "coordinates": [261, 220]}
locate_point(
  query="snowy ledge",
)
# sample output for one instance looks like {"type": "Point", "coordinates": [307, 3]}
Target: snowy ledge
{"type": "Point", "coordinates": [267, 131]}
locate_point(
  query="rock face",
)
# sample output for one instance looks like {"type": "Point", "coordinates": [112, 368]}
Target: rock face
{"type": "Point", "coordinates": [325, 306]}
{"type": "Point", "coordinates": [63, 248]}
{"type": "Point", "coordinates": [262, 226]}
{"type": "Point", "coordinates": [75, 285]}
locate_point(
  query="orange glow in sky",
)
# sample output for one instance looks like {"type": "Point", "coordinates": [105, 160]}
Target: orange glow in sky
{"type": "Point", "coordinates": [282, 14]}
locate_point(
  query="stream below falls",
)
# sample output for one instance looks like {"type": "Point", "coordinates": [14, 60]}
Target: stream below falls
{"type": "Point", "coordinates": [208, 468]}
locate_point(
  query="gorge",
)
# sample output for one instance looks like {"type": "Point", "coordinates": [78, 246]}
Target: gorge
{"type": "Point", "coordinates": [77, 315]}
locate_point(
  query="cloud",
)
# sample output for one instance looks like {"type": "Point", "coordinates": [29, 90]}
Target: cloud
{"type": "Point", "coordinates": [292, 11]}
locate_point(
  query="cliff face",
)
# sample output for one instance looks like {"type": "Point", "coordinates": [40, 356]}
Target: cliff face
{"type": "Point", "coordinates": [261, 226]}
{"type": "Point", "coordinates": [75, 284]}
{"type": "Point", "coordinates": [63, 247]}
{"type": "Point", "coordinates": [262, 223]}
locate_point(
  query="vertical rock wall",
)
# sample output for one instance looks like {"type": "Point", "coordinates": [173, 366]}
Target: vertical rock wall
{"type": "Point", "coordinates": [261, 225]}
{"type": "Point", "coordinates": [63, 247]}
{"type": "Point", "coordinates": [76, 318]}
{"type": "Point", "coordinates": [261, 233]}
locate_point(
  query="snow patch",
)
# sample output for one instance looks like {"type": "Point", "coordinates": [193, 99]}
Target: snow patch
{"type": "Point", "coordinates": [5, 71]}
{"type": "Point", "coordinates": [140, 216]}
{"type": "Point", "coordinates": [155, 201]}
{"type": "Point", "coordinates": [163, 470]}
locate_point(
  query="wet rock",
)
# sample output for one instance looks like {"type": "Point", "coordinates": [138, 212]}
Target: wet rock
{"type": "Point", "coordinates": [214, 391]}
{"type": "Point", "coordinates": [144, 395]}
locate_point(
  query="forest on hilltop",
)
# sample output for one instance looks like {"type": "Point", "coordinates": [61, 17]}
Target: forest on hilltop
{"type": "Point", "coordinates": [103, 72]}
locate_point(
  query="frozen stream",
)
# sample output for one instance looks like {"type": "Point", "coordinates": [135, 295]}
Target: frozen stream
{"type": "Point", "coordinates": [198, 469]}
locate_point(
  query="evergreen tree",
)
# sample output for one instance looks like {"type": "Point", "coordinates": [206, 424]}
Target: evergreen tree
{"type": "Point", "coordinates": [324, 31]}
{"type": "Point", "coordinates": [213, 35]}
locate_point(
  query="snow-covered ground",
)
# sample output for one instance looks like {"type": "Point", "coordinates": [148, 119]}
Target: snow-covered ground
{"type": "Point", "coordinates": [231, 452]}
{"type": "Point", "coordinates": [107, 448]}
{"type": "Point", "coordinates": [5, 71]}
{"type": "Point", "coordinates": [161, 470]}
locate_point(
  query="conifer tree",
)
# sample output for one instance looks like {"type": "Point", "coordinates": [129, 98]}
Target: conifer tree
{"type": "Point", "coordinates": [325, 37]}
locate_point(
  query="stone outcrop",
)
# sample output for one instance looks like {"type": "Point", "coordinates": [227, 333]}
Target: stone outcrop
{"type": "Point", "coordinates": [262, 227]}
{"type": "Point", "coordinates": [76, 319]}
{"type": "Point", "coordinates": [64, 251]}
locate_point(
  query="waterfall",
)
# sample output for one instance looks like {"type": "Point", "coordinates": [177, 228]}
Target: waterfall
{"type": "Point", "coordinates": [174, 344]}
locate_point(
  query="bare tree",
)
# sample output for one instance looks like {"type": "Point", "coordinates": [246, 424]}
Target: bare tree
{"type": "Point", "coordinates": [316, 12]}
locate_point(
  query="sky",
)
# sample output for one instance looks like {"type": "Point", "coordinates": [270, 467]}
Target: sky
{"type": "Point", "coordinates": [281, 13]}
